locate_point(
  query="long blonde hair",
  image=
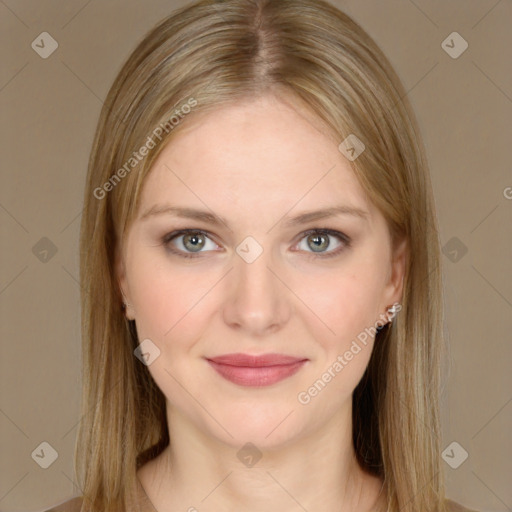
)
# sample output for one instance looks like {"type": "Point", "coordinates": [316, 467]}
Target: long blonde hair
{"type": "Point", "coordinates": [216, 53]}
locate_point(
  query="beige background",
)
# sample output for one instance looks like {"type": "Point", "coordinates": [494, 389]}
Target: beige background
{"type": "Point", "coordinates": [50, 108]}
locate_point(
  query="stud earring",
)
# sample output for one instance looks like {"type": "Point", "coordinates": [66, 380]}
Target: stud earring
{"type": "Point", "coordinates": [391, 313]}
{"type": "Point", "coordinates": [393, 310]}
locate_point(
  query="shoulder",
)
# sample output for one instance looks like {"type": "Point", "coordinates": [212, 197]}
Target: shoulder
{"type": "Point", "coordinates": [72, 505]}
{"type": "Point", "coordinates": [452, 506]}
{"type": "Point", "coordinates": [75, 504]}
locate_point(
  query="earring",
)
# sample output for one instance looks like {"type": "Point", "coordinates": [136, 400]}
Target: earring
{"type": "Point", "coordinates": [393, 310]}
{"type": "Point", "coordinates": [391, 313]}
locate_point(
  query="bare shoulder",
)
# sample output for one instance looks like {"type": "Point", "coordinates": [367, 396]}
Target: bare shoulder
{"type": "Point", "coordinates": [453, 506]}
{"type": "Point", "coordinates": [72, 505]}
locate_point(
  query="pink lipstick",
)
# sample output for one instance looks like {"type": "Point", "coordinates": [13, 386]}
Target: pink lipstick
{"type": "Point", "coordinates": [264, 370]}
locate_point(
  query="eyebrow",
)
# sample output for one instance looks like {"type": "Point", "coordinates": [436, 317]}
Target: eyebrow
{"type": "Point", "coordinates": [217, 220]}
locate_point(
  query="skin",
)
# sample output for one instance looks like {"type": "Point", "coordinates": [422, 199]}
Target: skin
{"type": "Point", "coordinates": [256, 163]}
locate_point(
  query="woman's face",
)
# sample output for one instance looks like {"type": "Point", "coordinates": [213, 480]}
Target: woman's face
{"type": "Point", "coordinates": [260, 281]}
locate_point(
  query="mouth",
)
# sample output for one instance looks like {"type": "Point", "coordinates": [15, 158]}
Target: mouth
{"type": "Point", "coordinates": [256, 371]}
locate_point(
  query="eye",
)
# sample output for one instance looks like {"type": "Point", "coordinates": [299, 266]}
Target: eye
{"type": "Point", "coordinates": [187, 240]}
{"type": "Point", "coordinates": [319, 240]}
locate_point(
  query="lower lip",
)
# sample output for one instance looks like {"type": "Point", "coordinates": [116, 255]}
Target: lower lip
{"type": "Point", "coordinates": [256, 377]}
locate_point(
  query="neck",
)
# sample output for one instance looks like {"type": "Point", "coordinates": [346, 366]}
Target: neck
{"type": "Point", "coordinates": [318, 472]}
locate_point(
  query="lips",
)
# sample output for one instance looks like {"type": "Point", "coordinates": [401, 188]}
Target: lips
{"type": "Point", "coordinates": [263, 370]}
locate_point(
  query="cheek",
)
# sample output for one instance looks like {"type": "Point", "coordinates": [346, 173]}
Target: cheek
{"type": "Point", "coordinates": [166, 298]}
{"type": "Point", "coordinates": [345, 302]}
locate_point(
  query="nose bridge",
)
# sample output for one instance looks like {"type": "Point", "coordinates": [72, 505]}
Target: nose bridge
{"type": "Point", "coordinates": [254, 276]}
{"type": "Point", "coordinates": [258, 300]}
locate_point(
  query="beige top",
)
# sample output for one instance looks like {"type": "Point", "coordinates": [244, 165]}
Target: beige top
{"type": "Point", "coordinates": [75, 504]}
{"type": "Point", "coordinates": [144, 504]}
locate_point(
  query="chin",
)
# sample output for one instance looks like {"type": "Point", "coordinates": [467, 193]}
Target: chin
{"type": "Point", "coordinates": [266, 426]}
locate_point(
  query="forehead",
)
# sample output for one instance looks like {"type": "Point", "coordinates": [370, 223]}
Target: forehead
{"type": "Point", "coordinates": [259, 154]}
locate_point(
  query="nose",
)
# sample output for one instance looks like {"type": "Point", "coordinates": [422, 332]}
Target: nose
{"type": "Point", "coordinates": [257, 303]}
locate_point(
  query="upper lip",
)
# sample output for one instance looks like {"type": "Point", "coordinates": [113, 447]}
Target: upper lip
{"type": "Point", "coordinates": [248, 360]}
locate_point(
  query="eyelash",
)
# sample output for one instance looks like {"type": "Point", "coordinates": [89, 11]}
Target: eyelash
{"type": "Point", "coordinates": [344, 239]}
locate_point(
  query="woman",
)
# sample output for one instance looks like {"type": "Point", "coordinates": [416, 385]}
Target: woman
{"type": "Point", "coordinates": [261, 275]}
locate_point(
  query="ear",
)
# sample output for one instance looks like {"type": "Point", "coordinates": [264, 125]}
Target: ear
{"type": "Point", "coordinates": [120, 272]}
{"type": "Point", "coordinates": [394, 286]}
